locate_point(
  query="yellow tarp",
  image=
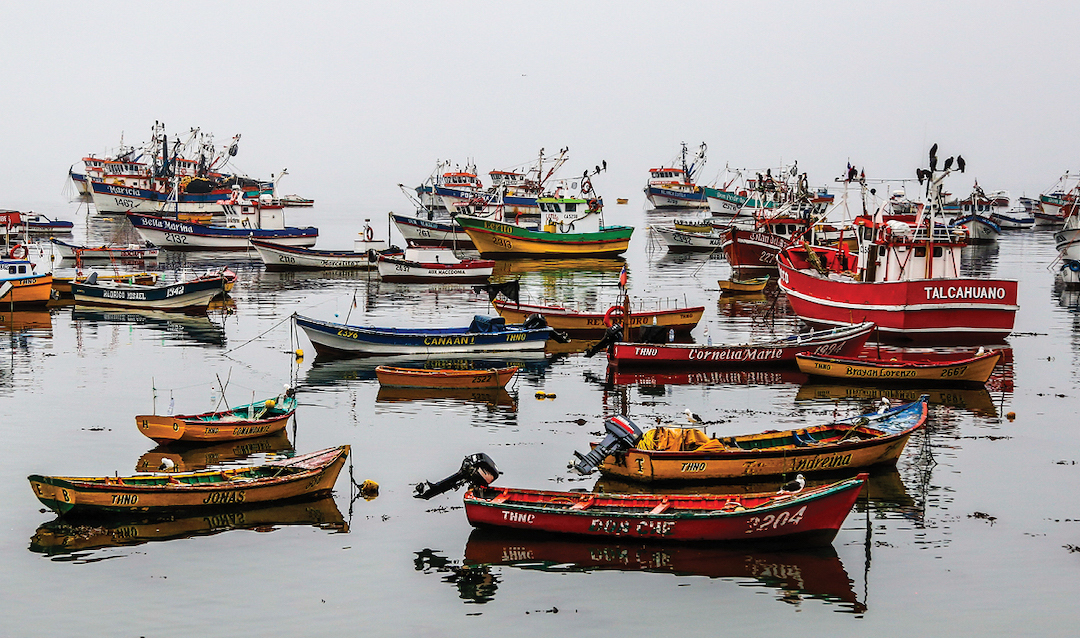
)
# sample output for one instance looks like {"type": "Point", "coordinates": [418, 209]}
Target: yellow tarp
{"type": "Point", "coordinates": [678, 440]}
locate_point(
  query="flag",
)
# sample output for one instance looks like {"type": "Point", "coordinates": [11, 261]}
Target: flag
{"type": "Point", "coordinates": [622, 277]}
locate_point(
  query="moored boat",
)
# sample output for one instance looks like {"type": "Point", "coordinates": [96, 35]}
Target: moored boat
{"type": "Point", "coordinates": [688, 454]}
{"type": "Point", "coordinates": [184, 295]}
{"type": "Point", "coordinates": [258, 418]}
{"type": "Point", "coordinates": [62, 283]}
{"type": "Point", "coordinates": [681, 320]}
{"type": "Point", "coordinates": [393, 377]}
{"type": "Point", "coordinates": [685, 241]}
{"type": "Point", "coordinates": [743, 286]}
{"type": "Point", "coordinates": [674, 187]}
{"type": "Point", "coordinates": [842, 340]}
{"type": "Point", "coordinates": [84, 253]}
{"type": "Point", "coordinates": [309, 475]}
{"type": "Point", "coordinates": [363, 256]}
{"type": "Point", "coordinates": [20, 282]}
{"type": "Point", "coordinates": [483, 334]}
{"type": "Point", "coordinates": [433, 265]}
{"type": "Point", "coordinates": [810, 516]}
{"type": "Point", "coordinates": [962, 369]}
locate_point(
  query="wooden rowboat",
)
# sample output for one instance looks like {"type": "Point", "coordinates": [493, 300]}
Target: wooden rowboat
{"type": "Point", "coordinates": [86, 253]}
{"type": "Point", "coordinates": [682, 320]}
{"type": "Point", "coordinates": [675, 454]}
{"type": "Point", "coordinates": [743, 286]}
{"type": "Point", "coordinates": [844, 341]}
{"type": "Point", "coordinates": [304, 476]}
{"type": "Point", "coordinates": [811, 515]}
{"type": "Point", "coordinates": [392, 377]}
{"type": "Point", "coordinates": [242, 422]}
{"type": "Point", "coordinates": [975, 369]}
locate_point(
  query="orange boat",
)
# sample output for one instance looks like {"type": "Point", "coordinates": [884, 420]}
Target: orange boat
{"type": "Point", "coordinates": [20, 284]}
{"type": "Point", "coordinates": [392, 377]}
{"type": "Point", "coordinates": [682, 320]}
{"type": "Point", "coordinates": [974, 370]}
{"type": "Point", "coordinates": [242, 422]}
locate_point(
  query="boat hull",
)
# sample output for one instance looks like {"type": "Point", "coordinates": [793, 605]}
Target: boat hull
{"type": "Point", "coordinates": [949, 310]}
{"type": "Point", "coordinates": [190, 295]}
{"type": "Point", "coordinates": [682, 320]}
{"type": "Point", "coordinates": [216, 427]}
{"type": "Point", "coordinates": [844, 341]}
{"type": "Point", "coordinates": [814, 515]}
{"type": "Point", "coordinates": [392, 377]}
{"type": "Point", "coordinates": [684, 197]}
{"type": "Point", "coordinates": [314, 475]}
{"type": "Point", "coordinates": [179, 235]}
{"type": "Point", "coordinates": [71, 251]}
{"type": "Point", "coordinates": [969, 370]}
{"type": "Point", "coordinates": [752, 250]}
{"type": "Point", "coordinates": [283, 257]}
{"type": "Point", "coordinates": [32, 290]}
{"type": "Point", "coordinates": [423, 232]}
{"type": "Point", "coordinates": [678, 241]}
{"type": "Point", "coordinates": [339, 339]}
{"type": "Point", "coordinates": [732, 462]}
{"type": "Point", "coordinates": [395, 269]}
{"type": "Point", "coordinates": [493, 238]}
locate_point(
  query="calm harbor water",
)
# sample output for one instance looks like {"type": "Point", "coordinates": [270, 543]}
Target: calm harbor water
{"type": "Point", "coordinates": [976, 532]}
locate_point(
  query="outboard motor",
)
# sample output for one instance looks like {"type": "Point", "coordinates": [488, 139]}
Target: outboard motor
{"type": "Point", "coordinates": [478, 470]}
{"type": "Point", "coordinates": [622, 434]}
{"type": "Point", "coordinates": [611, 335]}
{"type": "Point", "coordinates": [537, 322]}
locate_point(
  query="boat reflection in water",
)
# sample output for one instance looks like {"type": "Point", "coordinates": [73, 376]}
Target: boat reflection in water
{"type": "Point", "coordinates": [816, 573]}
{"type": "Point", "coordinates": [490, 396]}
{"type": "Point", "coordinates": [192, 458]}
{"type": "Point", "coordinates": [975, 400]}
{"type": "Point", "coordinates": [335, 371]}
{"type": "Point", "coordinates": [179, 327]}
{"type": "Point", "coordinates": [764, 376]}
{"type": "Point", "coordinates": [65, 541]}
{"type": "Point", "coordinates": [37, 320]}
{"type": "Point", "coordinates": [569, 267]}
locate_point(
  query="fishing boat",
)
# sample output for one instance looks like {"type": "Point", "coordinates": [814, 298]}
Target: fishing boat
{"type": "Point", "coordinates": [681, 320]}
{"type": "Point", "coordinates": [20, 282]}
{"type": "Point", "coordinates": [392, 377]}
{"type": "Point", "coordinates": [306, 476]}
{"type": "Point", "coordinates": [743, 286]}
{"type": "Point", "coordinates": [483, 334]}
{"type": "Point", "coordinates": [689, 454]}
{"type": "Point", "coordinates": [363, 256]}
{"type": "Point", "coordinates": [905, 278]}
{"type": "Point", "coordinates": [15, 223]}
{"type": "Point", "coordinates": [846, 340]}
{"type": "Point", "coordinates": [244, 219]}
{"type": "Point", "coordinates": [433, 265]}
{"type": "Point", "coordinates": [257, 418]}
{"type": "Point", "coordinates": [813, 515]}
{"type": "Point", "coordinates": [963, 369]}
{"type": "Point", "coordinates": [679, 240]}
{"type": "Point", "coordinates": [193, 294]}
{"type": "Point", "coordinates": [572, 225]}
{"type": "Point", "coordinates": [429, 231]}
{"type": "Point", "coordinates": [674, 187]}
{"type": "Point", "coordinates": [85, 253]}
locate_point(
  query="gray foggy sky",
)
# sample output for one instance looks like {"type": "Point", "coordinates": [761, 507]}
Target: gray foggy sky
{"type": "Point", "coordinates": [356, 97]}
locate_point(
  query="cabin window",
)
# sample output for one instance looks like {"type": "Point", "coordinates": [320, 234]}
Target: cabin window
{"type": "Point", "coordinates": [11, 270]}
{"type": "Point", "coordinates": [555, 208]}
{"type": "Point", "coordinates": [938, 252]}
{"type": "Point", "coordinates": [881, 251]}
{"type": "Point", "coordinates": [920, 251]}
{"type": "Point", "coordinates": [570, 208]}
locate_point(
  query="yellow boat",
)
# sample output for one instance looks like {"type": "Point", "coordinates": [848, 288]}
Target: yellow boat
{"type": "Point", "coordinates": [308, 476]}
{"type": "Point", "coordinates": [973, 370]}
{"type": "Point", "coordinates": [391, 377]}
{"type": "Point", "coordinates": [743, 286]}
{"type": "Point", "coordinates": [242, 422]}
{"type": "Point", "coordinates": [676, 454]}
{"type": "Point", "coordinates": [682, 320]}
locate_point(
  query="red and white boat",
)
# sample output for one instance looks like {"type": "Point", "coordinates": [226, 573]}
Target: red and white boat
{"type": "Point", "coordinates": [904, 278]}
{"type": "Point", "coordinates": [810, 515]}
{"type": "Point", "coordinates": [845, 341]}
{"type": "Point", "coordinates": [433, 265]}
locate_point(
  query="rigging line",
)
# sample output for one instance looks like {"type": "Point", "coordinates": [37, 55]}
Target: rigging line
{"type": "Point", "coordinates": [258, 336]}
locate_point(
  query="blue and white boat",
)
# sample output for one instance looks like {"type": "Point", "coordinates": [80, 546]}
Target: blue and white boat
{"type": "Point", "coordinates": [483, 334]}
{"type": "Point", "coordinates": [674, 187]}
{"type": "Point", "coordinates": [194, 294]}
{"type": "Point", "coordinates": [244, 219]}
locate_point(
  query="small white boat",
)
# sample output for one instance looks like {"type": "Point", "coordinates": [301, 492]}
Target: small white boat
{"type": "Point", "coordinates": [433, 264]}
{"type": "Point", "coordinates": [365, 251]}
{"type": "Point", "coordinates": [1014, 219]}
{"type": "Point", "coordinates": [129, 251]}
{"type": "Point", "coordinates": [980, 228]}
{"type": "Point", "coordinates": [684, 241]}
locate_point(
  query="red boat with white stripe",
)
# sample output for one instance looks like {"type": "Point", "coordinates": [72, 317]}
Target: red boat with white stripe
{"type": "Point", "coordinates": [905, 278]}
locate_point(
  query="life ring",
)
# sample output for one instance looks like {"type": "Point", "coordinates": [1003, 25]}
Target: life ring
{"type": "Point", "coordinates": [369, 234]}
{"type": "Point", "coordinates": [586, 187]}
{"type": "Point", "coordinates": [18, 251]}
{"type": "Point", "coordinates": [608, 316]}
